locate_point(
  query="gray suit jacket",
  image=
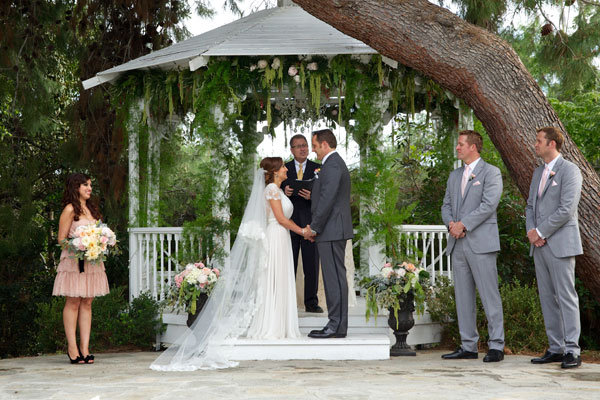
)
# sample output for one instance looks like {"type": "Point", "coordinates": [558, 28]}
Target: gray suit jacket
{"type": "Point", "coordinates": [554, 214]}
{"type": "Point", "coordinates": [330, 208]}
{"type": "Point", "coordinates": [477, 209]}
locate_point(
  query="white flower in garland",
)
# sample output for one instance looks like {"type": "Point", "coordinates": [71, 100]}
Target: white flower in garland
{"type": "Point", "coordinates": [297, 78]}
{"type": "Point", "coordinates": [252, 67]}
{"type": "Point", "coordinates": [276, 63]}
{"type": "Point", "coordinates": [292, 71]}
{"type": "Point", "coordinates": [262, 64]}
{"type": "Point", "coordinates": [313, 66]}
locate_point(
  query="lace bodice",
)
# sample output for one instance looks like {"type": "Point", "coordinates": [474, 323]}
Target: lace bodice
{"type": "Point", "coordinates": [272, 192]}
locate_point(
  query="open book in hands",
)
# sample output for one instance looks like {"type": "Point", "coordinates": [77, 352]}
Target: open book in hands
{"type": "Point", "coordinates": [297, 185]}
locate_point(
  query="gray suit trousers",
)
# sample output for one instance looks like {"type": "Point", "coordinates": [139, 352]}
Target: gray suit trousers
{"type": "Point", "coordinates": [472, 270]}
{"type": "Point", "coordinates": [336, 286]}
{"type": "Point", "coordinates": [560, 303]}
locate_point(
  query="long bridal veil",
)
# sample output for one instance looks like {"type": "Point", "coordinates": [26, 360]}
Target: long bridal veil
{"type": "Point", "coordinates": [231, 306]}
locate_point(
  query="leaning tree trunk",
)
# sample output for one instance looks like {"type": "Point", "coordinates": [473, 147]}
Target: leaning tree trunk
{"type": "Point", "coordinates": [485, 72]}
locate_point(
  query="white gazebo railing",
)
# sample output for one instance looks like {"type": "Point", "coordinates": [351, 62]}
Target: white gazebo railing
{"type": "Point", "coordinates": [155, 254]}
{"type": "Point", "coordinates": [154, 258]}
{"type": "Point", "coordinates": [427, 243]}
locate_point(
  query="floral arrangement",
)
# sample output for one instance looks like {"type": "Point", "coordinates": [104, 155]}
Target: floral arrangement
{"type": "Point", "coordinates": [91, 242]}
{"type": "Point", "coordinates": [390, 288]}
{"type": "Point", "coordinates": [195, 280]}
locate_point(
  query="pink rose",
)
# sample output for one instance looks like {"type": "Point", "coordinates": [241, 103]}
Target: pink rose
{"type": "Point", "coordinates": [206, 271]}
{"type": "Point", "coordinates": [216, 271]}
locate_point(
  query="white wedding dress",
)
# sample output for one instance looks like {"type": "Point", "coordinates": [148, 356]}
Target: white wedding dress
{"type": "Point", "coordinates": [255, 296]}
{"type": "Point", "coordinates": [278, 317]}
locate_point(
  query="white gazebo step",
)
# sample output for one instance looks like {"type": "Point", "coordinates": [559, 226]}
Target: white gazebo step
{"type": "Point", "coordinates": [356, 324]}
{"type": "Point", "coordinates": [352, 347]}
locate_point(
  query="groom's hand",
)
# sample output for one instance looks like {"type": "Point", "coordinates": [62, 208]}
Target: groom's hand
{"type": "Point", "coordinates": [308, 235]}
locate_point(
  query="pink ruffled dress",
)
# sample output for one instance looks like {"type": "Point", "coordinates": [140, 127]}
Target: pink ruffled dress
{"type": "Point", "coordinates": [70, 282]}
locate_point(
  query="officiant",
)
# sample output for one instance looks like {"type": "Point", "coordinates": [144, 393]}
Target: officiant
{"type": "Point", "coordinates": [300, 168]}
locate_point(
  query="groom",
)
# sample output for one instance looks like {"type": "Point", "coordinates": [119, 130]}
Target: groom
{"type": "Point", "coordinates": [331, 227]}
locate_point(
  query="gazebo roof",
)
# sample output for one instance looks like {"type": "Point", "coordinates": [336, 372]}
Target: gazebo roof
{"type": "Point", "coordinates": [285, 30]}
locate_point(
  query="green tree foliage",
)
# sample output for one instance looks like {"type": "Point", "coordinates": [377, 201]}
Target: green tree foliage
{"type": "Point", "coordinates": [557, 40]}
{"type": "Point", "coordinates": [50, 127]}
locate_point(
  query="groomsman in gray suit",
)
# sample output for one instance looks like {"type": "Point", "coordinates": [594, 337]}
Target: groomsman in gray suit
{"type": "Point", "coordinates": [469, 211]}
{"type": "Point", "coordinates": [331, 227]}
{"type": "Point", "coordinates": [553, 232]}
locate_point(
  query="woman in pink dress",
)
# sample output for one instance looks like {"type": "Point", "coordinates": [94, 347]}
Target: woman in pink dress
{"type": "Point", "coordinates": [79, 288]}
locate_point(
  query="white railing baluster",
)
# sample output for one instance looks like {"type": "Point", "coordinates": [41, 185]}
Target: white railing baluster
{"type": "Point", "coordinates": [162, 266]}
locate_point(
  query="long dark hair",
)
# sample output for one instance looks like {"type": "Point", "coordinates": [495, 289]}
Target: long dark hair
{"type": "Point", "coordinates": [71, 196]}
{"type": "Point", "coordinates": [271, 165]}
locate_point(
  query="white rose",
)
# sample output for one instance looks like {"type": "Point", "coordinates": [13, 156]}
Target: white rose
{"type": "Point", "coordinates": [386, 272]}
{"type": "Point", "coordinates": [400, 272]}
{"type": "Point", "coordinates": [190, 267]}
{"type": "Point", "coordinates": [297, 78]}
{"type": "Point", "coordinates": [202, 278]}
{"type": "Point", "coordinates": [262, 64]}
{"type": "Point", "coordinates": [292, 71]}
{"type": "Point", "coordinates": [276, 63]}
{"type": "Point", "coordinates": [312, 66]}
{"type": "Point", "coordinates": [86, 240]}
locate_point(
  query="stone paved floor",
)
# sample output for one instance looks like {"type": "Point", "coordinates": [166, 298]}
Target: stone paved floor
{"type": "Point", "coordinates": [426, 376]}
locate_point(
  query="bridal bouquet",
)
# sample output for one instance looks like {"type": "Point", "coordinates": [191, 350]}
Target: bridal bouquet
{"type": "Point", "coordinates": [194, 283]}
{"type": "Point", "coordinates": [91, 242]}
{"type": "Point", "coordinates": [395, 283]}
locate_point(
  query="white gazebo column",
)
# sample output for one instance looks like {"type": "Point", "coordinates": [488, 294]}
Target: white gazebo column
{"type": "Point", "coordinates": [221, 209]}
{"type": "Point", "coordinates": [133, 137]}
{"type": "Point", "coordinates": [156, 131]}
{"type": "Point", "coordinates": [373, 255]}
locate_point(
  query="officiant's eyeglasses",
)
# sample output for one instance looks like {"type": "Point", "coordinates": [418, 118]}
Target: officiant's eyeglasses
{"type": "Point", "coordinates": [300, 146]}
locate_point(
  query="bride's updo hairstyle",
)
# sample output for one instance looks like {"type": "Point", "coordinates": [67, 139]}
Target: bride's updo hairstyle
{"type": "Point", "coordinates": [271, 165]}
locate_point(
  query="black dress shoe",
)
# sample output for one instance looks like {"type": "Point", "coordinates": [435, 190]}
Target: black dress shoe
{"type": "Point", "coordinates": [548, 357]}
{"type": "Point", "coordinates": [314, 309]}
{"type": "Point", "coordinates": [494, 356]}
{"type": "Point", "coordinates": [325, 333]}
{"type": "Point", "coordinates": [571, 361]}
{"type": "Point", "coordinates": [460, 354]}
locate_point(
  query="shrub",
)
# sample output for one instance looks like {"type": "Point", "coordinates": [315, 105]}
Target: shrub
{"type": "Point", "coordinates": [115, 322]}
{"type": "Point", "coordinates": [523, 321]}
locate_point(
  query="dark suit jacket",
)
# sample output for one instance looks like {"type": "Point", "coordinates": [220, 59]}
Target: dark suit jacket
{"type": "Point", "coordinates": [331, 216]}
{"type": "Point", "coordinates": [301, 215]}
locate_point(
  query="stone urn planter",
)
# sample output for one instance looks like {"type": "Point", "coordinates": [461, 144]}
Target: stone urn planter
{"type": "Point", "coordinates": [401, 327]}
{"type": "Point", "coordinates": [200, 301]}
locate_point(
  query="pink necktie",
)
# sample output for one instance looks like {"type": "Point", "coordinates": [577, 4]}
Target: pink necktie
{"type": "Point", "coordinates": [465, 179]}
{"type": "Point", "coordinates": [543, 181]}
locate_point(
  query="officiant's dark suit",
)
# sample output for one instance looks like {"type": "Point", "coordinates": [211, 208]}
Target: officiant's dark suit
{"type": "Point", "coordinates": [302, 217]}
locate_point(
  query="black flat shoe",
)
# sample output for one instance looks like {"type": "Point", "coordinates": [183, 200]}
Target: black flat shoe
{"type": "Point", "coordinates": [460, 354]}
{"type": "Point", "coordinates": [548, 357]}
{"type": "Point", "coordinates": [571, 361]}
{"type": "Point", "coordinates": [494, 356]}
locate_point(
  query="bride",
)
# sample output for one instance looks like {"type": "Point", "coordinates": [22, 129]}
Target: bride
{"type": "Point", "coordinates": [256, 296]}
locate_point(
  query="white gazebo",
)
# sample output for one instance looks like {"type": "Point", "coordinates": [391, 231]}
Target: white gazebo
{"type": "Point", "coordinates": [286, 30]}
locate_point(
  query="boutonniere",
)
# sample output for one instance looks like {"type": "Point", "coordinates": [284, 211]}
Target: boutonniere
{"type": "Point", "coordinates": [317, 170]}
{"type": "Point", "coordinates": [472, 177]}
{"type": "Point", "coordinates": [552, 173]}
